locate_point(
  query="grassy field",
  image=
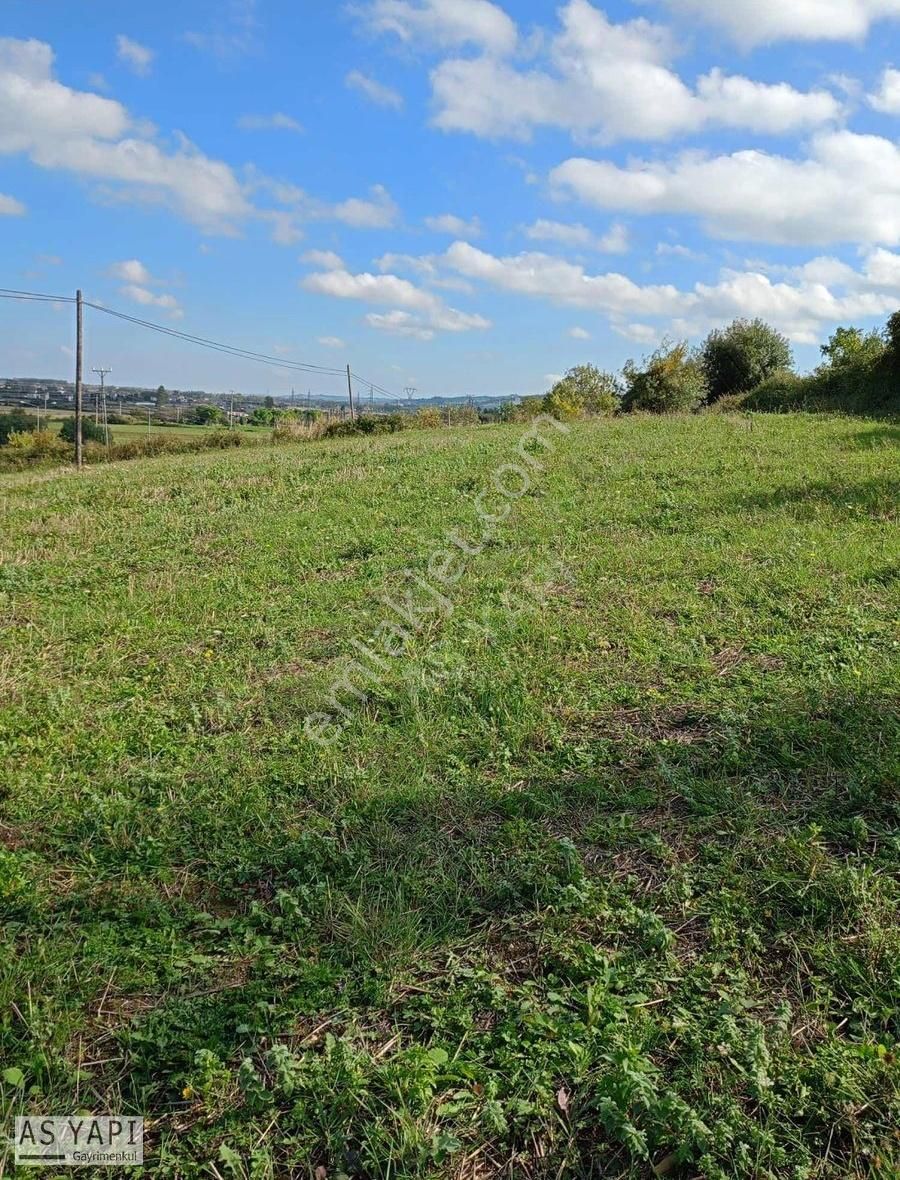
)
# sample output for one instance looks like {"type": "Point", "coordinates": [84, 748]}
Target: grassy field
{"type": "Point", "coordinates": [598, 878]}
{"type": "Point", "coordinates": [122, 432]}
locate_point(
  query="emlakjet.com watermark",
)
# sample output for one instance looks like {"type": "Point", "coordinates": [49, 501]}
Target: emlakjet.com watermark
{"type": "Point", "coordinates": [76, 1141]}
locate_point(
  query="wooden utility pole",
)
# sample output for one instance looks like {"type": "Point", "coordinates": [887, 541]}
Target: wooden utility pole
{"type": "Point", "coordinates": [350, 392]}
{"type": "Point", "coordinates": [79, 395]}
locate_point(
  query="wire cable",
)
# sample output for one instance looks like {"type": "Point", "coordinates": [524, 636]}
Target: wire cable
{"type": "Point", "coordinates": [202, 341]}
{"type": "Point", "coordinates": [10, 293]}
{"type": "Point", "coordinates": [218, 346]}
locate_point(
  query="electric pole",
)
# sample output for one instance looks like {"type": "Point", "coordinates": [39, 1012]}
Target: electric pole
{"type": "Point", "coordinates": [101, 401]}
{"type": "Point", "coordinates": [350, 393]}
{"type": "Point", "coordinates": [79, 408]}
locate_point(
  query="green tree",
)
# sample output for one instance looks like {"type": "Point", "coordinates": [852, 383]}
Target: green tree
{"type": "Point", "coordinates": [585, 389]}
{"type": "Point", "coordinates": [162, 397]}
{"type": "Point", "coordinates": [848, 346]}
{"type": "Point", "coordinates": [671, 379]}
{"type": "Point", "coordinates": [269, 402]}
{"type": "Point", "coordinates": [209, 416]}
{"type": "Point", "coordinates": [264, 417]}
{"type": "Point", "coordinates": [737, 358]}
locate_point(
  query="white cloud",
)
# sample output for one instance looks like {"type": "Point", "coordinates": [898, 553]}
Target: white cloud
{"type": "Point", "coordinates": [138, 58]}
{"type": "Point", "coordinates": [10, 207]}
{"type": "Point", "coordinates": [442, 24]}
{"type": "Point", "coordinates": [384, 288]}
{"type": "Point", "coordinates": [147, 298]}
{"type": "Point", "coordinates": [132, 270]}
{"type": "Point", "coordinates": [332, 342]}
{"type": "Point", "coordinates": [376, 92]}
{"type": "Point", "coordinates": [137, 281]}
{"type": "Point", "coordinates": [676, 250]}
{"type": "Point", "coordinates": [379, 212]}
{"type": "Point", "coordinates": [275, 122]}
{"type": "Point", "coordinates": [326, 259]}
{"type": "Point", "coordinates": [758, 22]}
{"type": "Point", "coordinates": [426, 267]}
{"type": "Point", "coordinates": [579, 333]}
{"type": "Point", "coordinates": [97, 139]}
{"type": "Point", "coordinates": [232, 34]}
{"type": "Point", "coordinates": [847, 189]}
{"type": "Point", "coordinates": [399, 323]}
{"type": "Point", "coordinates": [577, 236]}
{"type": "Point", "coordinates": [414, 311]}
{"type": "Point", "coordinates": [456, 227]}
{"type": "Point", "coordinates": [640, 333]}
{"type": "Point", "coordinates": [887, 98]}
{"type": "Point", "coordinates": [603, 82]}
{"type": "Point", "coordinates": [803, 305]}
{"type": "Point", "coordinates": [80, 132]}
{"type": "Point", "coordinates": [543, 275]}
{"type": "Point", "coordinates": [616, 240]}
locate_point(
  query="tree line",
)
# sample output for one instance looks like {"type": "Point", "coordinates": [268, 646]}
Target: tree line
{"type": "Point", "coordinates": [747, 364]}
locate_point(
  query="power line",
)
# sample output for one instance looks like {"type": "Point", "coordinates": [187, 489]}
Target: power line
{"type": "Point", "coordinates": [218, 346]}
{"type": "Point", "coordinates": [201, 341]}
{"type": "Point", "coordinates": [10, 293]}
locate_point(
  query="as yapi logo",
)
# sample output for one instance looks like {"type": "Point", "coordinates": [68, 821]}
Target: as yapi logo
{"type": "Point", "coordinates": [79, 1140]}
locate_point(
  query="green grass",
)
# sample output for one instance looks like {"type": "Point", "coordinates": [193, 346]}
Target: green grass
{"type": "Point", "coordinates": [602, 885]}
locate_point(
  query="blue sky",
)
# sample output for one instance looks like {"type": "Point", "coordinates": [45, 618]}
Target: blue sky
{"type": "Point", "coordinates": [453, 194]}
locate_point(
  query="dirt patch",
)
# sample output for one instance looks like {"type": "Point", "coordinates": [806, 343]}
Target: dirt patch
{"type": "Point", "coordinates": [727, 660]}
{"type": "Point", "coordinates": [11, 838]}
{"type": "Point", "coordinates": [677, 723]}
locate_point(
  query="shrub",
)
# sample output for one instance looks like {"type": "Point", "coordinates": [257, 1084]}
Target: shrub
{"type": "Point", "coordinates": [15, 422]}
{"type": "Point", "coordinates": [427, 418]}
{"type": "Point", "coordinates": [528, 408]}
{"type": "Point", "coordinates": [671, 380]}
{"type": "Point", "coordinates": [779, 393]}
{"type": "Point", "coordinates": [737, 358]}
{"type": "Point", "coordinates": [584, 390]}
{"type": "Point", "coordinates": [91, 431]}
{"type": "Point", "coordinates": [25, 447]}
{"type": "Point", "coordinates": [365, 424]}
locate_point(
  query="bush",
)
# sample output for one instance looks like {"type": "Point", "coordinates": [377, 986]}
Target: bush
{"type": "Point", "coordinates": [15, 422]}
{"type": "Point", "coordinates": [91, 431]}
{"type": "Point", "coordinates": [861, 375]}
{"type": "Point", "coordinates": [528, 408]}
{"type": "Point", "coordinates": [584, 390]}
{"type": "Point", "coordinates": [737, 358]}
{"type": "Point", "coordinates": [26, 447]}
{"type": "Point", "coordinates": [671, 380]}
{"type": "Point", "coordinates": [427, 418]}
{"type": "Point", "coordinates": [365, 424]}
{"type": "Point", "coordinates": [779, 393]}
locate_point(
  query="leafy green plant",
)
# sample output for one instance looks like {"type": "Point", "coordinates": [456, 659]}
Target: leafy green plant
{"type": "Point", "coordinates": [670, 380]}
{"type": "Point", "coordinates": [738, 358]}
{"type": "Point", "coordinates": [583, 390]}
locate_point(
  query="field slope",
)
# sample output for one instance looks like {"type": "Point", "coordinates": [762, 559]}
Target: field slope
{"type": "Point", "coordinates": [596, 879]}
